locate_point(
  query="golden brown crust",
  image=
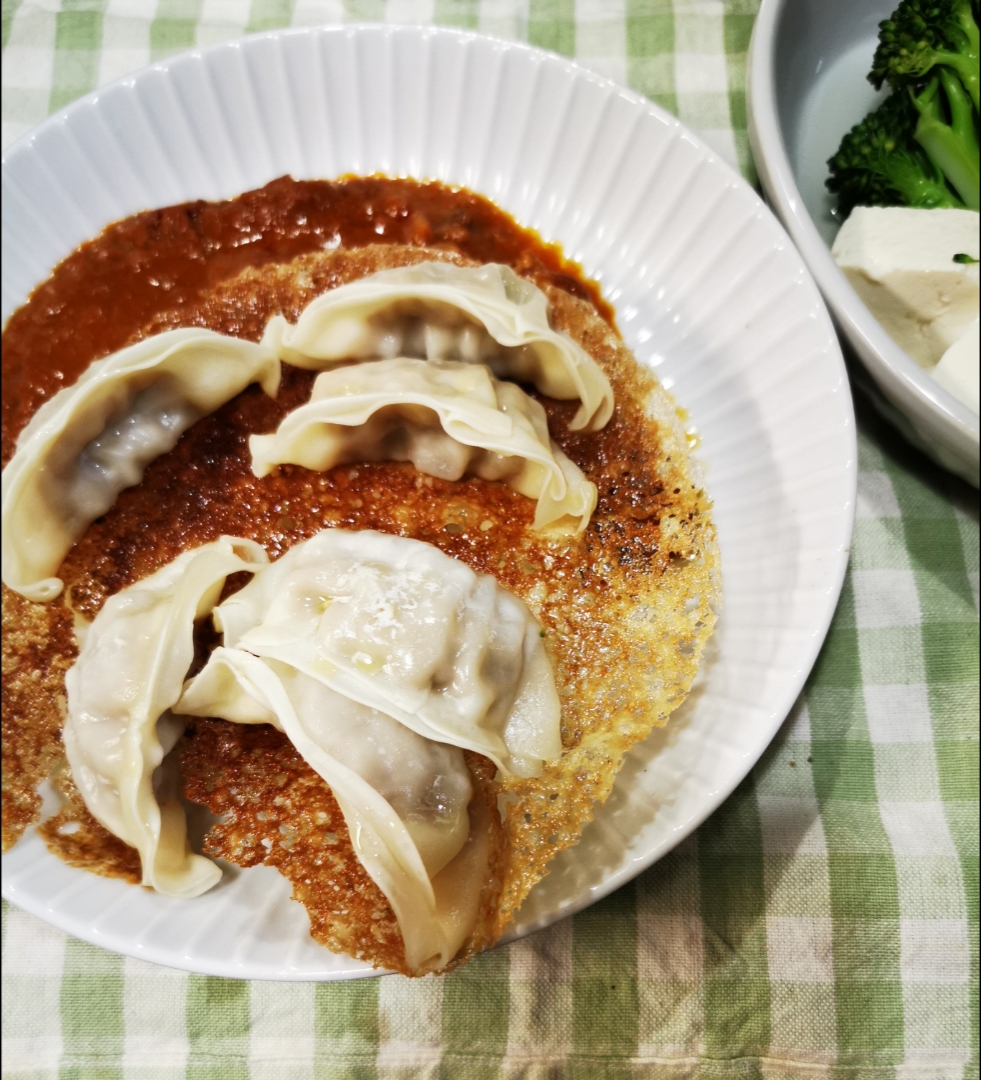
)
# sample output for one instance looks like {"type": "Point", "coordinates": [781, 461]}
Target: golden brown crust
{"type": "Point", "coordinates": [38, 648]}
{"type": "Point", "coordinates": [76, 837]}
{"type": "Point", "coordinates": [626, 607]}
{"type": "Point", "coordinates": [275, 810]}
{"type": "Point", "coordinates": [627, 638]}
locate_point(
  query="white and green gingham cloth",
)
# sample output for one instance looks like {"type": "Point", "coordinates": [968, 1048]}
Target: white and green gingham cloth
{"type": "Point", "coordinates": [688, 57]}
{"type": "Point", "coordinates": [823, 923]}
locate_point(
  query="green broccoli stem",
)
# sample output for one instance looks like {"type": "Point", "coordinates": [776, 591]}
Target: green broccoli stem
{"type": "Point", "coordinates": [972, 70]}
{"type": "Point", "coordinates": [966, 67]}
{"type": "Point", "coordinates": [916, 188]}
{"type": "Point", "coordinates": [952, 147]}
{"type": "Point", "coordinates": [879, 163]}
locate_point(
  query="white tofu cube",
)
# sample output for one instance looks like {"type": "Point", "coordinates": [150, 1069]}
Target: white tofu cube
{"type": "Point", "coordinates": [900, 261]}
{"type": "Point", "coordinates": [958, 370]}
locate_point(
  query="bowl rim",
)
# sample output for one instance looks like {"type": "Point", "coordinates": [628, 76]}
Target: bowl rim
{"type": "Point", "coordinates": [912, 388]}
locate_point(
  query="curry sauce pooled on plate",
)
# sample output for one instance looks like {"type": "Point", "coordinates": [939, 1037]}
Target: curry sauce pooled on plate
{"type": "Point", "coordinates": [614, 567]}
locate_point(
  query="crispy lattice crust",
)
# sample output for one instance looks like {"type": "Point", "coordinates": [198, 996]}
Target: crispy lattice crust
{"type": "Point", "coordinates": [626, 608]}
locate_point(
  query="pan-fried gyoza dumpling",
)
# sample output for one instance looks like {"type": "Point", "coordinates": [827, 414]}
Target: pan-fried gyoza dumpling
{"type": "Point", "coordinates": [398, 626]}
{"type": "Point", "coordinates": [128, 675]}
{"type": "Point", "coordinates": [447, 418]}
{"type": "Point", "coordinates": [405, 798]}
{"type": "Point", "coordinates": [96, 437]}
{"type": "Point", "coordinates": [440, 311]}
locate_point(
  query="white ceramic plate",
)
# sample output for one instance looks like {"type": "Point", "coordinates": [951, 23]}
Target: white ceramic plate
{"type": "Point", "coordinates": [708, 290]}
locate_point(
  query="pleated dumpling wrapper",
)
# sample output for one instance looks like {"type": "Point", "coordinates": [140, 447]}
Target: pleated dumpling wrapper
{"type": "Point", "coordinates": [398, 626]}
{"type": "Point", "coordinates": [129, 673]}
{"type": "Point", "coordinates": [406, 800]}
{"type": "Point", "coordinates": [447, 418]}
{"type": "Point", "coordinates": [440, 311]}
{"type": "Point", "coordinates": [96, 437]}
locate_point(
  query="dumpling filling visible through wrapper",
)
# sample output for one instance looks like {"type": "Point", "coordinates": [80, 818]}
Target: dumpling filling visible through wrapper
{"type": "Point", "coordinates": [447, 418]}
{"type": "Point", "coordinates": [440, 311]}
{"type": "Point", "coordinates": [95, 438]}
{"type": "Point", "coordinates": [378, 657]}
{"type": "Point", "coordinates": [128, 675]}
{"type": "Point", "coordinates": [406, 800]}
{"type": "Point", "coordinates": [400, 627]}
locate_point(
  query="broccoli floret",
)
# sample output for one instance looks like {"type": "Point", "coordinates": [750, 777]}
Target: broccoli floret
{"type": "Point", "coordinates": [952, 145]}
{"type": "Point", "coordinates": [921, 146]}
{"type": "Point", "coordinates": [879, 164]}
{"type": "Point", "coordinates": [923, 35]}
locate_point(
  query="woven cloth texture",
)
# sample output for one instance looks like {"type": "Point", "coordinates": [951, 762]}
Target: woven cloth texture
{"type": "Point", "coordinates": [823, 923]}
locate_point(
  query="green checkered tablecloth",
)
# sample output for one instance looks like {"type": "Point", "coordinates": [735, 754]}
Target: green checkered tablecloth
{"type": "Point", "coordinates": [823, 923]}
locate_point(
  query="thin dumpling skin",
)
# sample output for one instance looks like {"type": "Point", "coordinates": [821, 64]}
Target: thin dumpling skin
{"type": "Point", "coordinates": [95, 438]}
{"type": "Point", "coordinates": [386, 815]}
{"type": "Point", "coordinates": [398, 626]}
{"type": "Point", "coordinates": [446, 417]}
{"type": "Point", "coordinates": [129, 673]}
{"type": "Point", "coordinates": [426, 783]}
{"type": "Point", "coordinates": [439, 311]}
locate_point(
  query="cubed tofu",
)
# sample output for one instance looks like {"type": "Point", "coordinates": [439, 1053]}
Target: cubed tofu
{"type": "Point", "coordinates": [900, 261]}
{"type": "Point", "coordinates": [958, 367]}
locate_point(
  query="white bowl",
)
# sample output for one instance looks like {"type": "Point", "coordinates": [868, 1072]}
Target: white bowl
{"type": "Point", "coordinates": [805, 88]}
{"type": "Point", "coordinates": [708, 291]}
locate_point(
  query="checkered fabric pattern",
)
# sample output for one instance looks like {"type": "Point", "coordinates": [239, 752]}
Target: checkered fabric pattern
{"type": "Point", "coordinates": [687, 55]}
{"type": "Point", "coordinates": [823, 923]}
